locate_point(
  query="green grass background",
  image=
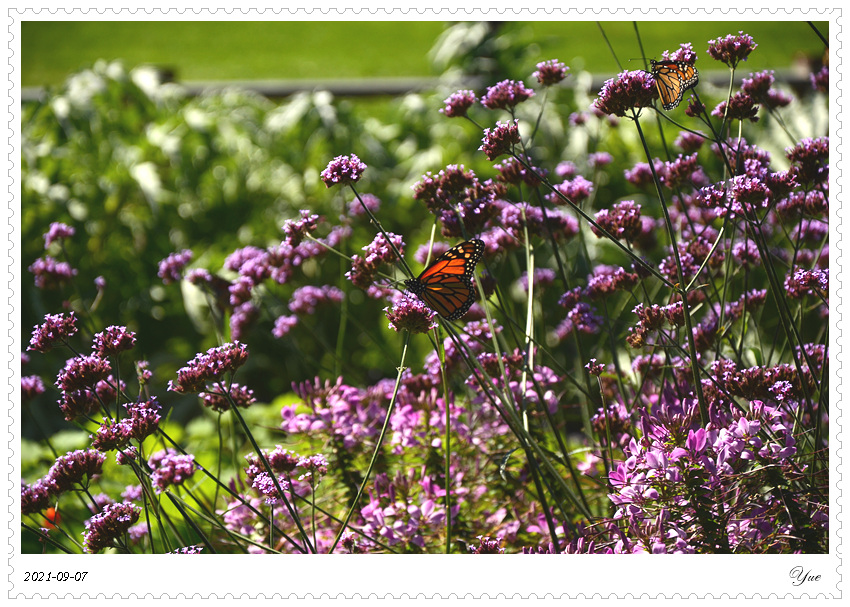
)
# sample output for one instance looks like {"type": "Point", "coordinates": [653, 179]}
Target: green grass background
{"type": "Point", "coordinates": [246, 50]}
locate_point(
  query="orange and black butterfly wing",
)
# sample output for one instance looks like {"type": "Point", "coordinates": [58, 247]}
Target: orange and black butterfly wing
{"type": "Point", "coordinates": [446, 285]}
{"type": "Point", "coordinates": [673, 78]}
{"type": "Point", "coordinates": [450, 299]}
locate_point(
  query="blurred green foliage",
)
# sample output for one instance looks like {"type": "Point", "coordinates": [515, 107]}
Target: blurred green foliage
{"type": "Point", "coordinates": [246, 50]}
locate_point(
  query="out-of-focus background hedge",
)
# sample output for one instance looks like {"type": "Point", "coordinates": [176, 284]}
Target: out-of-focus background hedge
{"type": "Point", "coordinates": [339, 49]}
{"type": "Point", "coordinates": [141, 169]}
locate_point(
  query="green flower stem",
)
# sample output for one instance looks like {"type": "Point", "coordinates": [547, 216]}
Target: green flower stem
{"type": "Point", "coordinates": [447, 439]}
{"type": "Point", "coordinates": [377, 450]}
{"type": "Point", "coordinates": [292, 512]}
{"type": "Point", "coordinates": [692, 349]}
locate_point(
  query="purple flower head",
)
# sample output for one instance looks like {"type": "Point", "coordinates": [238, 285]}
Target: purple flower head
{"type": "Point", "coordinates": [506, 94]}
{"type": "Point", "coordinates": [343, 170]}
{"type": "Point", "coordinates": [314, 466]}
{"type": "Point", "coordinates": [514, 220]}
{"type": "Point", "coordinates": [380, 251]}
{"type": "Point", "coordinates": [264, 483]}
{"type": "Point", "coordinates": [171, 268]}
{"type": "Point", "coordinates": [239, 257]}
{"type": "Point", "coordinates": [448, 189]}
{"type": "Point", "coordinates": [746, 253]}
{"type": "Point", "coordinates": [143, 418]}
{"type": "Point", "coordinates": [78, 403]}
{"type": "Point", "coordinates": [296, 229]}
{"type": "Point", "coordinates": [749, 301]}
{"type": "Point", "coordinates": [429, 252]}
{"type": "Point", "coordinates": [349, 543]}
{"type": "Point", "coordinates": [242, 396]}
{"type": "Point", "coordinates": [76, 467]}
{"type": "Point", "coordinates": [361, 274]}
{"type": "Point", "coordinates": [511, 170]}
{"type": "Point", "coordinates": [113, 521]}
{"type": "Point", "coordinates": [782, 390]}
{"type": "Point", "coordinates": [113, 340]}
{"type": "Point", "coordinates": [370, 201]}
{"type": "Point", "coordinates": [579, 118]}
{"type": "Point", "coordinates": [597, 160]}
{"type": "Point", "coordinates": [811, 230]}
{"type": "Point", "coordinates": [125, 456]}
{"type": "Point", "coordinates": [820, 80]}
{"type": "Point", "coordinates": [109, 388]}
{"type": "Point", "coordinates": [31, 386]}
{"type": "Point", "coordinates": [242, 319]}
{"type": "Point", "coordinates": [641, 173]}
{"type": "Point", "coordinates": [607, 279]}
{"type": "Point", "coordinates": [410, 314]}
{"type": "Point", "coordinates": [685, 53]}
{"type": "Point", "coordinates": [594, 368]}
{"type": "Point", "coordinates": [209, 367]}
{"type": "Point", "coordinates": [111, 435]}
{"type": "Point", "coordinates": [57, 231]}
{"type": "Point", "coordinates": [801, 203]}
{"type": "Point", "coordinates": [740, 107]}
{"type": "Point", "coordinates": [471, 213]}
{"type": "Point", "coordinates": [51, 274]}
{"type": "Point", "coordinates": [696, 108]}
{"type": "Point", "coordinates": [732, 49]}
{"type": "Point", "coordinates": [240, 291]}
{"type": "Point", "coordinates": [622, 221]}
{"type": "Point", "coordinates": [800, 282]}
{"type": "Point", "coordinates": [282, 462]}
{"type": "Point", "coordinates": [82, 372]}
{"type": "Point", "coordinates": [748, 194]}
{"type": "Point", "coordinates": [680, 172]}
{"type": "Point", "coordinates": [500, 140]}
{"type": "Point", "coordinates": [690, 142]}
{"type": "Point", "coordinates": [566, 169]}
{"type": "Point", "coordinates": [629, 90]}
{"type": "Point", "coordinates": [543, 277]}
{"type": "Point", "coordinates": [35, 497]}
{"type": "Point", "coordinates": [758, 85]}
{"type": "Point", "coordinates": [364, 269]}
{"type": "Point", "coordinates": [143, 373]}
{"type": "Point", "coordinates": [550, 72]}
{"type": "Point", "coordinates": [57, 328]}
{"type": "Point", "coordinates": [692, 254]}
{"type": "Point", "coordinates": [170, 468]}
{"type": "Point", "coordinates": [584, 319]}
{"type": "Point", "coordinates": [776, 99]}
{"type": "Point", "coordinates": [457, 104]}
{"type": "Point", "coordinates": [283, 325]}
{"type": "Point", "coordinates": [306, 299]}
{"type": "Point", "coordinates": [345, 410]}
{"type": "Point", "coordinates": [486, 546]}
{"type": "Point", "coordinates": [575, 190]}
{"type": "Point", "coordinates": [187, 550]}
{"type": "Point", "coordinates": [810, 161]}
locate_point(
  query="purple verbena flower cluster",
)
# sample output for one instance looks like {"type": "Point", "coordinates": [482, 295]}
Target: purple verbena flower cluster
{"type": "Point", "coordinates": [209, 367]}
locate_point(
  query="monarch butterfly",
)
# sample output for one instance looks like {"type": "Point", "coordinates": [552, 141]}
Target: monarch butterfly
{"type": "Point", "coordinates": [673, 78]}
{"type": "Point", "coordinates": [446, 285]}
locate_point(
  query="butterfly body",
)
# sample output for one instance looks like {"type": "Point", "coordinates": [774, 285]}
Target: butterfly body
{"type": "Point", "coordinates": [446, 285]}
{"type": "Point", "coordinates": [673, 78]}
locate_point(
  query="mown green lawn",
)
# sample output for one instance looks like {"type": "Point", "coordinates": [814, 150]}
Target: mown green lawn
{"type": "Point", "coordinates": [342, 49]}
